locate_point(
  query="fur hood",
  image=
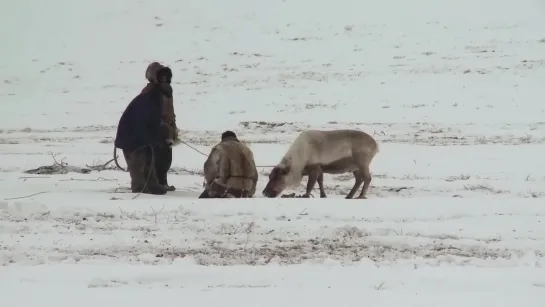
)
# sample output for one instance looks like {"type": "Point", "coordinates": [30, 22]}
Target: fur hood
{"type": "Point", "coordinates": [153, 71]}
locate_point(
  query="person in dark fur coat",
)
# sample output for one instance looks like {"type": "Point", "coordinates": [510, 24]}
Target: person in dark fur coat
{"type": "Point", "coordinates": [142, 135]}
{"type": "Point", "coordinates": [168, 123]}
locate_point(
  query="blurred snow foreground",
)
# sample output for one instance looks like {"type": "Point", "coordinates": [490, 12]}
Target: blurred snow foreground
{"type": "Point", "coordinates": [451, 90]}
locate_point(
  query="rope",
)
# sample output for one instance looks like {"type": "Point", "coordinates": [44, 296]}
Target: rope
{"type": "Point", "coordinates": [151, 167]}
{"type": "Point", "coordinates": [195, 149]}
{"type": "Point", "coordinates": [153, 154]}
{"type": "Point", "coordinates": [115, 160]}
{"type": "Point", "coordinates": [202, 153]}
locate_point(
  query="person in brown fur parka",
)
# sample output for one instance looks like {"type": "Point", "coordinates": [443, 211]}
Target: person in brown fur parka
{"type": "Point", "coordinates": [163, 160]}
{"type": "Point", "coordinates": [230, 170]}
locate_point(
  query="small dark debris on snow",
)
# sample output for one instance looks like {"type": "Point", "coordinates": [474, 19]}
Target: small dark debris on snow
{"type": "Point", "coordinates": [293, 195]}
{"type": "Point", "coordinates": [58, 170]}
{"type": "Point", "coordinates": [399, 189]}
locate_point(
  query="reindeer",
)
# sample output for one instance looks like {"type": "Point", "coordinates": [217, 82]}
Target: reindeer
{"type": "Point", "coordinates": [315, 152]}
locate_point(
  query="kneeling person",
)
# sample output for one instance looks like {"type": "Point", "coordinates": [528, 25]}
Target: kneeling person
{"type": "Point", "coordinates": [230, 170]}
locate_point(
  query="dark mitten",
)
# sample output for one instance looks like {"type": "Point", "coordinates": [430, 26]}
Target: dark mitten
{"type": "Point", "coordinates": [217, 190]}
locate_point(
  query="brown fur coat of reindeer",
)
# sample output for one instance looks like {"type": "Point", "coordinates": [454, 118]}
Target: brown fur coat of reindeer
{"type": "Point", "coordinates": [315, 152]}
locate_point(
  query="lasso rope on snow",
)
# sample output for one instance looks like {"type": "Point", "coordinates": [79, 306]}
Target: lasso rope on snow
{"type": "Point", "coordinates": [151, 168]}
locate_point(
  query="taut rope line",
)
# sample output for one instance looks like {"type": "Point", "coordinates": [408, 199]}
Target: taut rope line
{"type": "Point", "coordinates": [185, 143]}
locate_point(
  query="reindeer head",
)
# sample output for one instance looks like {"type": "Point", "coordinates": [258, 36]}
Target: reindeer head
{"type": "Point", "coordinates": [277, 181]}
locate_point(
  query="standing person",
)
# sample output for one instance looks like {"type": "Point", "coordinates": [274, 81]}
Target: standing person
{"type": "Point", "coordinates": [168, 120]}
{"type": "Point", "coordinates": [142, 132]}
{"type": "Point", "coordinates": [230, 170]}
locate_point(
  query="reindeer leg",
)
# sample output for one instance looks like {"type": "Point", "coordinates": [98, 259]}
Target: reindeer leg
{"type": "Point", "coordinates": [312, 178]}
{"type": "Point", "coordinates": [321, 184]}
{"type": "Point", "coordinates": [366, 175]}
{"type": "Point", "coordinates": [357, 184]}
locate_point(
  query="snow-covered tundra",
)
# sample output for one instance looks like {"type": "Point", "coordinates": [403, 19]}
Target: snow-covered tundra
{"type": "Point", "coordinates": [451, 90]}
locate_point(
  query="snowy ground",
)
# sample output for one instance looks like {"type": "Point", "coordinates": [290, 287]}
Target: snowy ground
{"type": "Point", "coordinates": [452, 90]}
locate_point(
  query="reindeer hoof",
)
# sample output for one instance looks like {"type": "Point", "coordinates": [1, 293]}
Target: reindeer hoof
{"type": "Point", "coordinates": [323, 196]}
